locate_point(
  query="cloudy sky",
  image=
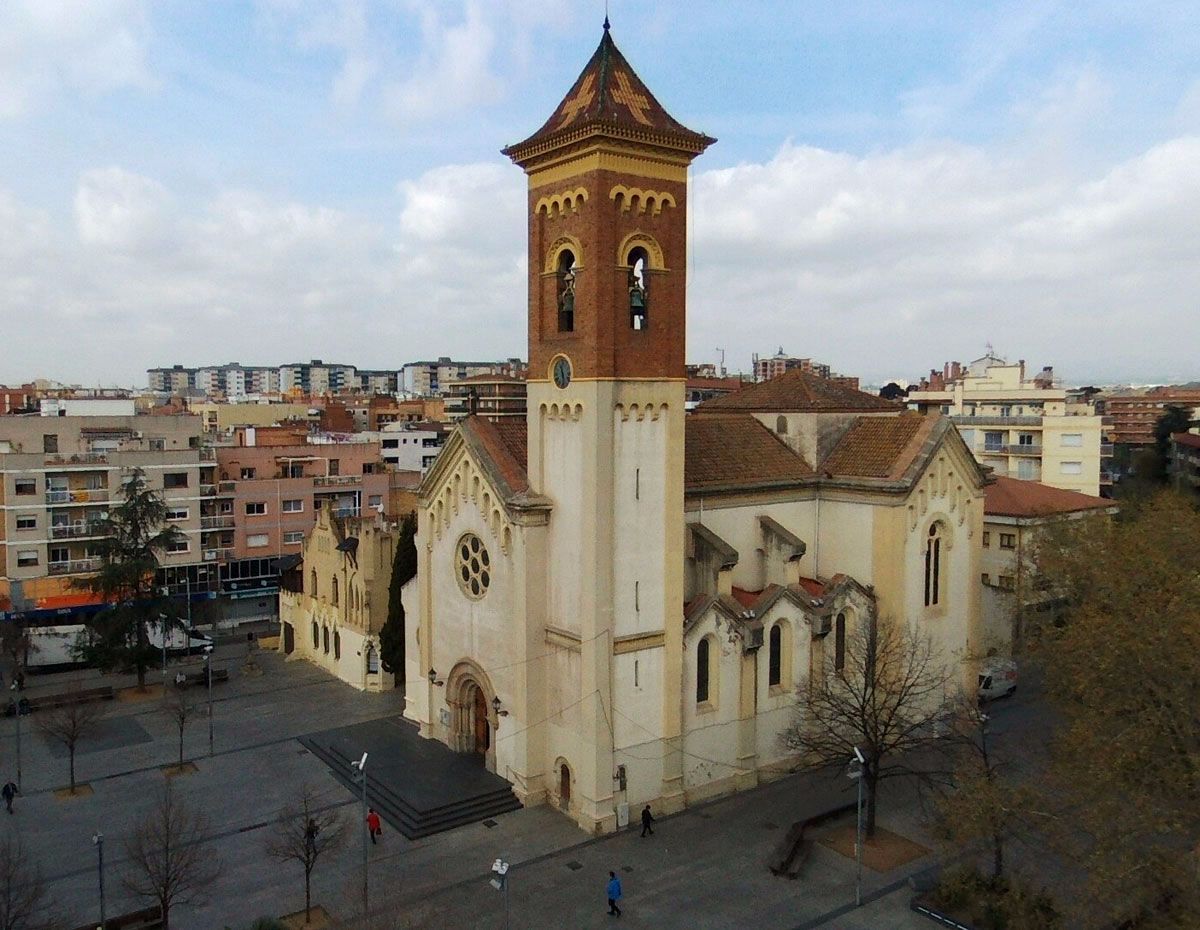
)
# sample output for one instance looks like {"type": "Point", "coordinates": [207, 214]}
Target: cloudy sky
{"type": "Point", "coordinates": [896, 183]}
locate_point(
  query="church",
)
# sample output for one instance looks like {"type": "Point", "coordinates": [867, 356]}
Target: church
{"type": "Point", "coordinates": [617, 600]}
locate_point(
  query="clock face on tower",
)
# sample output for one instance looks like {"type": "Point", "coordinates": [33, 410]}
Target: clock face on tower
{"type": "Point", "coordinates": [562, 371]}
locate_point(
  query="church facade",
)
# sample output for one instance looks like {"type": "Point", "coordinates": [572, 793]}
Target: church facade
{"type": "Point", "coordinates": [615, 601]}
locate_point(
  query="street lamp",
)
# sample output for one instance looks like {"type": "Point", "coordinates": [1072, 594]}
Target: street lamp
{"type": "Point", "coordinates": [858, 769]}
{"type": "Point", "coordinates": [17, 708]}
{"type": "Point", "coordinates": [98, 842]}
{"type": "Point", "coordinates": [361, 765]}
{"type": "Point", "coordinates": [208, 678]}
{"type": "Point", "coordinates": [500, 883]}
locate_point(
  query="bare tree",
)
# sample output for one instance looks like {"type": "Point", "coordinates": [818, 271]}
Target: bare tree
{"type": "Point", "coordinates": [169, 860]}
{"type": "Point", "coordinates": [305, 832]}
{"type": "Point", "coordinates": [179, 707]}
{"type": "Point", "coordinates": [23, 903]}
{"type": "Point", "coordinates": [17, 644]}
{"type": "Point", "coordinates": [888, 699]}
{"type": "Point", "coordinates": [70, 722]}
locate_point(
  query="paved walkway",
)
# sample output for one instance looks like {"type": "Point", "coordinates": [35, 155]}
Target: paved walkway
{"type": "Point", "coordinates": [705, 868]}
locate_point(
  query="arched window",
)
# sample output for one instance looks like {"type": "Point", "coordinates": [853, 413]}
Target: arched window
{"type": "Point", "coordinates": [775, 655]}
{"type": "Point", "coordinates": [337, 644]}
{"type": "Point", "coordinates": [781, 425]}
{"type": "Point", "coordinates": [325, 638]}
{"type": "Point", "coordinates": [316, 631]}
{"type": "Point", "coordinates": [312, 583]}
{"type": "Point", "coordinates": [839, 643]}
{"type": "Point", "coordinates": [639, 290]}
{"type": "Point", "coordinates": [334, 591]}
{"type": "Point", "coordinates": [702, 666]}
{"type": "Point", "coordinates": [933, 566]}
{"type": "Point", "coordinates": [566, 291]}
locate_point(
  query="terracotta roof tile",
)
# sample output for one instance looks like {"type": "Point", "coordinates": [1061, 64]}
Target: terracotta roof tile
{"type": "Point", "coordinates": [732, 450]}
{"type": "Point", "coordinates": [1192, 440]}
{"type": "Point", "coordinates": [505, 445]}
{"type": "Point", "coordinates": [746, 598]}
{"type": "Point", "coordinates": [879, 447]}
{"type": "Point", "coordinates": [799, 391]}
{"type": "Point", "coordinates": [609, 96]}
{"type": "Point", "coordinates": [1011, 497]}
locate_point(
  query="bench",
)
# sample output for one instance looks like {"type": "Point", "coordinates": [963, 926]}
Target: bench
{"type": "Point", "coordinates": [67, 698]}
{"type": "Point", "coordinates": [197, 678]}
{"type": "Point", "coordinates": [148, 919]}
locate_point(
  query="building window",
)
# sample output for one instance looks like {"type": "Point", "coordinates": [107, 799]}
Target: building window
{"type": "Point", "coordinates": [1008, 540]}
{"type": "Point", "coordinates": [933, 566]}
{"type": "Point", "coordinates": [1028, 469]}
{"type": "Point", "coordinates": [839, 643]}
{"type": "Point", "coordinates": [775, 655]}
{"type": "Point", "coordinates": [178, 513]}
{"type": "Point", "coordinates": [986, 578]}
{"type": "Point", "coordinates": [158, 445]}
{"type": "Point", "coordinates": [257, 540]}
{"type": "Point", "coordinates": [316, 634]}
{"type": "Point", "coordinates": [1006, 411]}
{"type": "Point", "coordinates": [781, 425]}
{"type": "Point", "coordinates": [335, 466]}
{"type": "Point", "coordinates": [703, 660]}
{"type": "Point", "coordinates": [1025, 439]}
{"type": "Point", "coordinates": [474, 566]}
{"type": "Point", "coordinates": [293, 537]}
{"type": "Point", "coordinates": [1072, 468]}
{"type": "Point", "coordinates": [987, 539]}
{"type": "Point", "coordinates": [27, 521]}
{"type": "Point", "coordinates": [175, 479]}
{"type": "Point", "coordinates": [639, 300]}
{"type": "Point", "coordinates": [179, 545]}
{"type": "Point", "coordinates": [26, 486]}
{"type": "Point", "coordinates": [334, 591]}
{"type": "Point", "coordinates": [293, 506]}
{"type": "Point", "coordinates": [968, 437]}
{"type": "Point", "coordinates": [337, 644]}
{"type": "Point", "coordinates": [312, 585]}
{"type": "Point", "coordinates": [255, 508]}
{"type": "Point", "coordinates": [992, 441]}
{"type": "Point", "coordinates": [325, 639]}
{"type": "Point", "coordinates": [376, 501]}
{"type": "Point", "coordinates": [1007, 582]}
{"type": "Point", "coordinates": [247, 473]}
{"type": "Point", "coordinates": [566, 291]}
{"type": "Point", "coordinates": [1074, 440]}
{"type": "Point", "coordinates": [27, 557]}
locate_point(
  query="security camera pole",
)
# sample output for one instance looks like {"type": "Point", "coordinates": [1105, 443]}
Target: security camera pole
{"type": "Point", "coordinates": [361, 765]}
{"type": "Point", "coordinates": [208, 650]}
{"type": "Point", "coordinates": [98, 842]}
{"type": "Point", "coordinates": [857, 774]}
{"type": "Point", "coordinates": [17, 707]}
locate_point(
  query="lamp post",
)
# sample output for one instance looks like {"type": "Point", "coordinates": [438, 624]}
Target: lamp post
{"type": "Point", "coordinates": [98, 842]}
{"type": "Point", "coordinates": [858, 768]}
{"type": "Point", "coordinates": [500, 883]}
{"type": "Point", "coordinates": [17, 707]}
{"type": "Point", "coordinates": [361, 765]}
{"type": "Point", "coordinates": [208, 679]}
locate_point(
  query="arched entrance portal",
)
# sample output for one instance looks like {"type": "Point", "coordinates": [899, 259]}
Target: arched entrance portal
{"type": "Point", "coordinates": [481, 727]}
{"type": "Point", "coordinates": [564, 786]}
{"type": "Point", "coordinates": [472, 727]}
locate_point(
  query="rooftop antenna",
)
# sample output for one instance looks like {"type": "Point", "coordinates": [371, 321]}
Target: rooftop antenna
{"type": "Point", "coordinates": [606, 15]}
{"type": "Point", "coordinates": [722, 351]}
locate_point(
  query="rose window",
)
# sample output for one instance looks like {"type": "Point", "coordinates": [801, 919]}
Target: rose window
{"type": "Point", "coordinates": [474, 566]}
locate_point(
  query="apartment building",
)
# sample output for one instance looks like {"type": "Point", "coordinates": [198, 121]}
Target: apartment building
{"type": "Point", "coordinates": [1134, 416]}
{"type": "Point", "coordinates": [384, 410]}
{"type": "Point", "coordinates": [434, 377]}
{"type": "Point", "coordinates": [58, 478]}
{"type": "Point", "coordinates": [768, 367]}
{"type": "Point", "coordinates": [1026, 428]}
{"type": "Point", "coordinates": [1185, 462]}
{"type": "Point", "coordinates": [411, 447]}
{"type": "Point", "coordinates": [1015, 512]}
{"type": "Point", "coordinates": [317, 377]}
{"type": "Point", "coordinates": [223, 418]}
{"type": "Point", "coordinates": [22, 399]}
{"type": "Point", "coordinates": [496, 397]}
{"type": "Point", "coordinates": [378, 381]}
{"type": "Point", "coordinates": [176, 379]}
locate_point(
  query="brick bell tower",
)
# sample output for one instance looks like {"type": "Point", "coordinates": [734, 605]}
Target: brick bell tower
{"type": "Point", "coordinates": [607, 319]}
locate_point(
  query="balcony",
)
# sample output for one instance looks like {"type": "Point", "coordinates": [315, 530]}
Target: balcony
{"type": "Point", "coordinates": [217, 523]}
{"type": "Point", "coordinates": [208, 454]}
{"type": "Point", "coordinates": [326, 481]}
{"type": "Point", "coordinates": [1019, 449]}
{"type": "Point", "coordinates": [208, 490]}
{"type": "Point", "coordinates": [79, 530]}
{"type": "Point", "coordinates": [221, 554]}
{"type": "Point", "coordinates": [226, 487]}
{"type": "Point", "coordinates": [995, 421]}
{"type": "Point", "coordinates": [76, 495]}
{"type": "Point", "coordinates": [80, 459]}
{"type": "Point", "coordinates": [74, 567]}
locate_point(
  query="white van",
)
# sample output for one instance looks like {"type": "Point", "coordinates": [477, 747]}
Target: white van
{"type": "Point", "coordinates": [997, 679]}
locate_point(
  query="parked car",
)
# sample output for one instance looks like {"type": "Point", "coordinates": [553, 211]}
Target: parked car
{"type": "Point", "coordinates": [997, 679]}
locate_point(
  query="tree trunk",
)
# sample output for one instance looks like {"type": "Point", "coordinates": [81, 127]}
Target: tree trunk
{"type": "Point", "coordinates": [872, 787]}
{"type": "Point", "coordinates": [181, 747]}
{"type": "Point", "coordinates": [166, 915]}
{"type": "Point", "coordinates": [140, 662]}
{"type": "Point", "coordinates": [71, 756]}
{"type": "Point", "coordinates": [307, 894]}
{"type": "Point", "coordinates": [997, 857]}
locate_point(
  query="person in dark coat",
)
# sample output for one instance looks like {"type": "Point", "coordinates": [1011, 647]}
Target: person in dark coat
{"type": "Point", "coordinates": [614, 894]}
{"type": "Point", "coordinates": [8, 792]}
{"type": "Point", "coordinates": [647, 819]}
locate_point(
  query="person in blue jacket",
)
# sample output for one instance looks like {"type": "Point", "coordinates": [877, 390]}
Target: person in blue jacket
{"type": "Point", "coordinates": [614, 894]}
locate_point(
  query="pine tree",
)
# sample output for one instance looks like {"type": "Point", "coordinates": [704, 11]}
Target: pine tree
{"type": "Point", "coordinates": [404, 569]}
{"type": "Point", "coordinates": [119, 634]}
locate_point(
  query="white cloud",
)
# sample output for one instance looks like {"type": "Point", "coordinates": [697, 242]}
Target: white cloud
{"type": "Point", "coordinates": [85, 46]}
{"type": "Point", "coordinates": [117, 209]}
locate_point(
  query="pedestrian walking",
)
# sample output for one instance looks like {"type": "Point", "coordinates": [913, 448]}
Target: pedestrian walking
{"type": "Point", "coordinates": [8, 792]}
{"type": "Point", "coordinates": [647, 819]}
{"type": "Point", "coordinates": [374, 825]}
{"type": "Point", "coordinates": [614, 894]}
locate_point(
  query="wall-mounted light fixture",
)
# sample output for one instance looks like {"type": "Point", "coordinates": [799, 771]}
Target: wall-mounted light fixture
{"type": "Point", "coordinates": [496, 707]}
{"type": "Point", "coordinates": [434, 680]}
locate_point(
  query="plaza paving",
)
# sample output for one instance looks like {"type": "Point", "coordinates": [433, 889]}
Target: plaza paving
{"type": "Point", "coordinates": [704, 868]}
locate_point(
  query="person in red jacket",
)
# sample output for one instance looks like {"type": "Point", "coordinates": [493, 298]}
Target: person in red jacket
{"type": "Point", "coordinates": [374, 824]}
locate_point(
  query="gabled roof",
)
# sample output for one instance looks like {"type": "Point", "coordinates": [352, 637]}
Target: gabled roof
{"type": "Point", "coordinates": [737, 450]}
{"type": "Point", "coordinates": [1012, 497]}
{"type": "Point", "coordinates": [798, 391]}
{"type": "Point", "coordinates": [608, 97]}
{"type": "Point", "coordinates": [879, 447]}
{"type": "Point", "coordinates": [503, 446]}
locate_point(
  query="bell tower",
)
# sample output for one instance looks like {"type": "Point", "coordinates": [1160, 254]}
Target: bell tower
{"type": "Point", "coordinates": [607, 318]}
